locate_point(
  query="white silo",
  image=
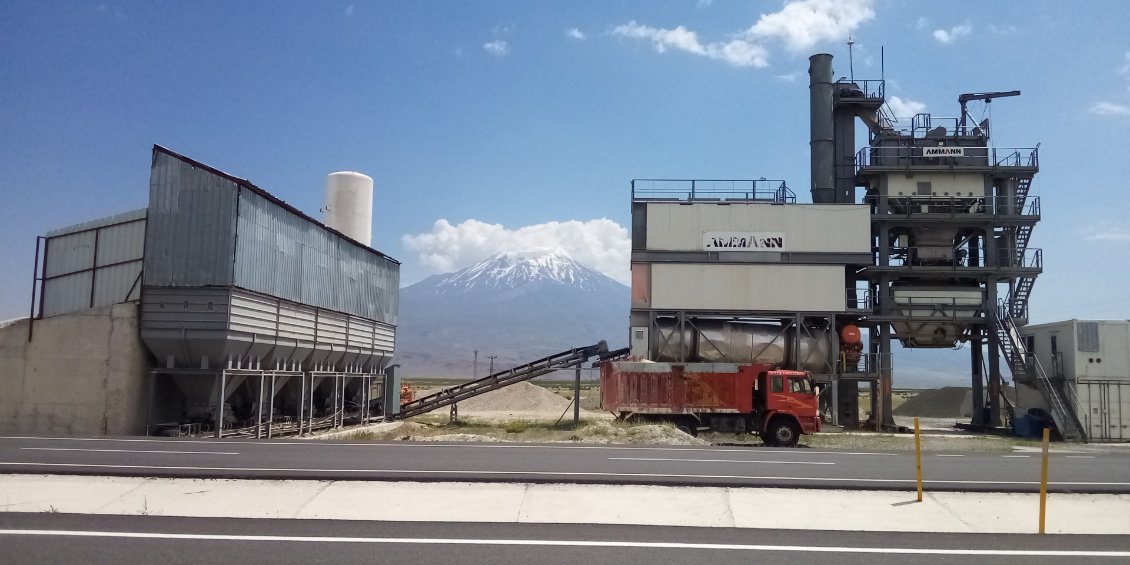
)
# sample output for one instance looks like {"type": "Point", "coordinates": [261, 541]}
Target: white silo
{"type": "Point", "coordinates": [349, 205]}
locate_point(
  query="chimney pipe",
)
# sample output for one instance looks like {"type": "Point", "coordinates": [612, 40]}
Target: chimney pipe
{"type": "Point", "coordinates": [822, 142]}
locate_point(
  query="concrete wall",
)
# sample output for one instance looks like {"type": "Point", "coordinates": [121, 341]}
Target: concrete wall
{"type": "Point", "coordinates": [83, 373]}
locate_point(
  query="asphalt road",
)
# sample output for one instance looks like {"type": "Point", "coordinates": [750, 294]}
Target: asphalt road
{"type": "Point", "coordinates": [663, 465]}
{"type": "Point", "coordinates": [75, 538]}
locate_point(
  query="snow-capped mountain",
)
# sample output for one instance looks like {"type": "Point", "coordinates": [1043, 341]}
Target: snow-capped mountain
{"type": "Point", "coordinates": [511, 270]}
{"type": "Point", "coordinates": [516, 306]}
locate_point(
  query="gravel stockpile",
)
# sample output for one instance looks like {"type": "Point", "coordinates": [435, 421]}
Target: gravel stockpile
{"type": "Point", "coordinates": [948, 402]}
{"type": "Point", "coordinates": [523, 397]}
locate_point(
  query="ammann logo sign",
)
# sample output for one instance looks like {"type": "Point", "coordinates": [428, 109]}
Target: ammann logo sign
{"type": "Point", "coordinates": [738, 240]}
{"type": "Point", "coordinates": [943, 151]}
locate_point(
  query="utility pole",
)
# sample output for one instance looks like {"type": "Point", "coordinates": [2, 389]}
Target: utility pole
{"type": "Point", "coordinates": [476, 367]}
{"type": "Point", "coordinates": [492, 358]}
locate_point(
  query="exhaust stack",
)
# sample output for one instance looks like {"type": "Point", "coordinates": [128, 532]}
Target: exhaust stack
{"type": "Point", "coordinates": [822, 142]}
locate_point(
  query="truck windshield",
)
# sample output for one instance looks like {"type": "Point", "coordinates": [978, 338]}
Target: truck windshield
{"type": "Point", "coordinates": [799, 385]}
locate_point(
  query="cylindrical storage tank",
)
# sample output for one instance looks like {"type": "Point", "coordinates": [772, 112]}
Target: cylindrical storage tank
{"type": "Point", "coordinates": [349, 205]}
{"type": "Point", "coordinates": [815, 353]}
{"type": "Point", "coordinates": [735, 342]}
{"type": "Point", "coordinates": [850, 335]}
{"type": "Point", "coordinates": [669, 346]}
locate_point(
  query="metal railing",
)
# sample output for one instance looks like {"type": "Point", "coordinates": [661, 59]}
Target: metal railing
{"type": "Point", "coordinates": [859, 299]}
{"type": "Point", "coordinates": [706, 190]}
{"type": "Point", "coordinates": [868, 363]}
{"type": "Point", "coordinates": [912, 156]}
{"type": "Point", "coordinates": [937, 308]}
{"type": "Point", "coordinates": [870, 88]}
{"type": "Point", "coordinates": [1064, 415]}
{"type": "Point", "coordinates": [957, 206]}
{"type": "Point", "coordinates": [958, 258]}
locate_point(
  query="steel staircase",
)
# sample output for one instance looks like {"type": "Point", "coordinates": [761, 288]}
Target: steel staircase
{"type": "Point", "coordinates": [566, 359]}
{"type": "Point", "coordinates": [1018, 299]}
{"type": "Point", "coordinates": [1027, 368]}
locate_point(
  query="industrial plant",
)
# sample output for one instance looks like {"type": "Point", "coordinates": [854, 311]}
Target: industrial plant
{"type": "Point", "coordinates": [230, 312]}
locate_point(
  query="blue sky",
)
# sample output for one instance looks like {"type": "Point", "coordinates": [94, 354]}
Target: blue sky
{"type": "Point", "coordinates": [500, 125]}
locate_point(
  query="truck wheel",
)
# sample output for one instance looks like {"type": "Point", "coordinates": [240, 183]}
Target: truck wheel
{"type": "Point", "coordinates": [687, 427]}
{"type": "Point", "coordinates": [782, 432]}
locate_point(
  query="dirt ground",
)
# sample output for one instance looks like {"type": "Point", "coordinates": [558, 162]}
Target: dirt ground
{"type": "Point", "coordinates": [531, 413]}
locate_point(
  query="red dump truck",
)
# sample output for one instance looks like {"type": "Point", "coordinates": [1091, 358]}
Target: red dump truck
{"type": "Point", "coordinates": [779, 405]}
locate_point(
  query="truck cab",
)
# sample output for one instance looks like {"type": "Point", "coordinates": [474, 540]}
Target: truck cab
{"type": "Point", "coordinates": [786, 404]}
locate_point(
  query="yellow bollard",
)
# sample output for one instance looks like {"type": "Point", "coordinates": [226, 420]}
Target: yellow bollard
{"type": "Point", "coordinates": [918, 457]}
{"type": "Point", "coordinates": [1044, 481]}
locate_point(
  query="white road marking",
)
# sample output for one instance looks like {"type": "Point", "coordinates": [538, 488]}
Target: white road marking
{"type": "Point", "coordinates": [276, 442]}
{"type": "Point", "coordinates": [551, 474]}
{"type": "Point", "coordinates": [719, 461]}
{"type": "Point", "coordinates": [577, 543]}
{"type": "Point", "coordinates": [1016, 456]}
{"type": "Point", "coordinates": [1080, 456]}
{"type": "Point", "coordinates": [128, 450]}
{"type": "Point", "coordinates": [948, 455]}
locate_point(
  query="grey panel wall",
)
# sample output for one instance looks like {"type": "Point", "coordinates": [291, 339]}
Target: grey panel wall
{"type": "Point", "coordinates": [285, 255]}
{"type": "Point", "coordinates": [190, 236]}
{"type": "Point", "coordinates": [93, 264]}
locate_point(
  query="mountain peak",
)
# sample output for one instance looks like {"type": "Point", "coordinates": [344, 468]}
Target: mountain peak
{"type": "Point", "coordinates": [514, 269]}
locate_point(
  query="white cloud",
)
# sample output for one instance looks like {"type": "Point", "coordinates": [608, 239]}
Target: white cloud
{"type": "Point", "coordinates": [1107, 231]}
{"type": "Point", "coordinates": [1109, 109]}
{"type": "Point", "coordinates": [802, 24]}
{"type": "Point", "coordinates": [953, 33]}
{"type": "Point", "coordinates": [788, 77]}
{"type": "Point", "coordinates": [497, 47]}
{"type": "Point", "coordinates": [601, 244]}
{"type": "Point", "coordinates": [574, 33]}
{"type": "Point", "coordinates": [349, 10]}
{"type": "Point", "coordinates": [1003, 30]}
{"type": "Point", "coordinates": [703, 4]}
{"type": "Point", "coordinates": [738, 53]}
{"type": "Point", "coordinates": [922, 23]}
{"type": "Point", "coordinates": [904, 108]}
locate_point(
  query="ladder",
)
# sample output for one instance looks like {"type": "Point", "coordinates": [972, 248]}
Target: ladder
{"type": "Point", "coordinates": [1018, 299]}
{"type": "Point", "coordinates": [566, 359]}
{"type": "Point", "coordinates": [1026, 368]}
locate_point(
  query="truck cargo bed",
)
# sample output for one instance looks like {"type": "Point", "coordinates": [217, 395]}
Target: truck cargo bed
{"type": "Point", "coordinates": [689, 388]}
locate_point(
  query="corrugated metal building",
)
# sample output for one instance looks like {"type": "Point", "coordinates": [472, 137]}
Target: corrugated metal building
{"type": "Point", "coordinates": [252, 310]}
{"type": "Point", "coordinates": [236, 277]}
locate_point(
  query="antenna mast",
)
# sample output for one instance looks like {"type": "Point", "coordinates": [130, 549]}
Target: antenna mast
{"type": "Point", "coordinates": [851, 59]}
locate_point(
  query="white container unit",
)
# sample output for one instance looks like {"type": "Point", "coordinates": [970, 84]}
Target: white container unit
{"type": "Point", "coordinates": [349, 205]}
{"type": "Point", "coordinates": [1093, 358]}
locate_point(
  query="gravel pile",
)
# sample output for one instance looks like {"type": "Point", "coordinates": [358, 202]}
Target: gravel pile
{"type": "Point", "coordinates": [523, 396]}
{"type": "Point", "coordinates": [948, 402]}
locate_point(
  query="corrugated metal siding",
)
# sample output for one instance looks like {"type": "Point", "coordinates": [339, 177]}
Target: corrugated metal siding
{"type": "Point", "coordinates": [827, 228]}
{"type": "Point", "coordinates": [100, 252]}
{"type": "Point", "coordinates": [190, 239]}
{"type": "Point", "coordinates": [113, 285]}
{"type": "Point", "coordinates": [66, 294]}
{"type": "Point", "coordinates": [282, 254]}
{"type": "Point", "coordinates": [789, 288]}
{"type": "Point", "coordinates": [121, 242]}
{"type": "Point", "coordinates": [69, 253]}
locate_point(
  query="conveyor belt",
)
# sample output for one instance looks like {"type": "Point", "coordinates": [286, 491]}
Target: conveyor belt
{"type": "Point", "coordinates": [566, 359]}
